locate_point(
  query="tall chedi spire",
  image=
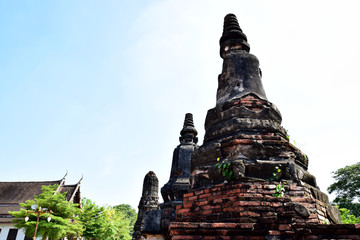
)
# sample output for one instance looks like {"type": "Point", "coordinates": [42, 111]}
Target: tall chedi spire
{"type": "Point", "coordinates": [241, 74]}
{"type": "Point", "coordinates": [244, 129]}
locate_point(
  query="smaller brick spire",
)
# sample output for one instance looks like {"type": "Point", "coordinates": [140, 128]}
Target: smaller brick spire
{"type": "Point", "coordinates": [149, 201]}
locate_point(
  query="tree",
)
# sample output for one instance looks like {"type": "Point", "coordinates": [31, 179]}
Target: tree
{"type": "Point", "coordinates": [92, 219]}
{"type": "Point", "coordinates": [115, 226]}
{"type": "Point", "coordinates": [129, 213]}
{"type": "Point", "coordinates": [106, 223]}
{"type": "Point", "coordinates": [64, 221]}
{"type": "Point", "coordinates": [347, 188]}
{"type": "Point", "coordinates": [346, 217]}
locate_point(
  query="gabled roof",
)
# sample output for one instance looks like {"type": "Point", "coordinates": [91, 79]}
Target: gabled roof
{"type": "Point", "coordinates": [18, 192]}
{"type": "Point", "coordinates": [13, 193]}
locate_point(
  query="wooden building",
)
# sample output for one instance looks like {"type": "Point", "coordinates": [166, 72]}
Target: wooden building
{"type": "Point", "coordinates": [14, 193]}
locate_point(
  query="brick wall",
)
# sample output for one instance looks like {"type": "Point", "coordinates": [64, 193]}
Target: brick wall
{"type": "Point", "coordinates": [249, 211]}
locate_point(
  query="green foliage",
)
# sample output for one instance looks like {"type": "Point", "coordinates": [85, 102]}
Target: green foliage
{"type": "Point", "coordinates": [114, 225]}
{"type": "Point", "coordinates": [287, 134]}
{"type": "Point", "coordinates": [279, 190]}
{"type": "Point", "coordinates": [347, 188]}
{"type": "Point", "coordinates": [129, 213]}
{"type": "Point", "coordinates": [275, 175]}
{"type": "Point", "coordinates": [64, 221]}
{"type": "Point", "coordinates": [224, 168]}
{"type": "Point", "coordinates": [106, 223]}
{"type": "Point", "coordinates": [91, 218]}
{"type": "Point", "coordinates": [346, 217]}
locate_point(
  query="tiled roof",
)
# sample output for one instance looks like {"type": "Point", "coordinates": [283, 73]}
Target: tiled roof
{"type": "Point", "coordinates": [70, 189]}
{"type": "Point", "coordinates": [13, 193]}
{"type": "Point", "coordinates": [17, 192]}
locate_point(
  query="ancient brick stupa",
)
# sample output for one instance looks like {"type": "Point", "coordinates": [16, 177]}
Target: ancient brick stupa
{"type": "Point", "coordinates": [247, 180]}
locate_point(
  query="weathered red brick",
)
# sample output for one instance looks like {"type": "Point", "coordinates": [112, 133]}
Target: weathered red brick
{"type": "Point", "coordinates": [206, 195]}
{"type": "Point", "coordinates": [206, 212]}
{"type": "Point", "coordinates": [201, 203]}
{"type": "Point", "coordinates": [193, 198]}
{"type": "Point", "coordinates": [180, 237]}
{"type": "Point", "coordinates": [275, 204]}
{"type": "Point", "coordinates": [227, 204]}
{"type": "Point", "coordinates": [224, 225]}
{"type": "Point", "coordinates": [205, 225]}
{"type": "Point", "coordinates": [234, 191]}
{"type": "Point", "coordinates": [246, 203]}
{"type": "Point", "coordinates": [274, 232]}
{"type": "Point", "coordinates": [199, 192]}
{"type": "Point", "coordinates": [209, 237]}
{"type": "Point", "coordinates": [187, 205]}
{"type": "Point", "coordinates": [283, 227]}
{"type": "Point", "coordinates": [217, 197]}
{"type": "Point", "coordinates": [206, 207]}
{"type": "Point", "coordinates": [183, 225]}
{"type": "Point", "coordinates": [184, 210]}
{"type": "Point", "coordinates": [299, 199]}
{"type": "Point", "coordinates": [247, 225]}
{"type": "Point", "coordinates": [217, 210]}
{"type": "Point", "coordinates": [267, 214]}
{"type": "Point", "coordinates": [250, 214]}
{"type": "Point", "coordinates": [188, 194]}
{"type": "Point", "coordinates": [224, 237]}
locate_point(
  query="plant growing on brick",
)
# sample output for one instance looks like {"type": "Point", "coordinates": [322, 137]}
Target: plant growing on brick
{"type": "Point", "coordinates": [279, 190]}
{"type": "Point", "coordinates": [224, 168]}
{"type": "Point", "coordinates": [275, 175]}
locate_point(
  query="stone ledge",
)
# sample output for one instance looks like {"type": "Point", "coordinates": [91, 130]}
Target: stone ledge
{"type": "Point", "coordinates": [203, 230]}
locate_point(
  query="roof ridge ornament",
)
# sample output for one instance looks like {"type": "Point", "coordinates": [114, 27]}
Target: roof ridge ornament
{"type": "Point", "coordinates": [62, 182]}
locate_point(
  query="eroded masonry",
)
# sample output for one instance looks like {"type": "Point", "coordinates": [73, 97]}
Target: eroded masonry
{"type": "Point", "coordinates": [247, 181]}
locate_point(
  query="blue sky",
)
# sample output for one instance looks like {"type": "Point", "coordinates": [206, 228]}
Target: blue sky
{"type": "Point", "coordinates": [101, 88]}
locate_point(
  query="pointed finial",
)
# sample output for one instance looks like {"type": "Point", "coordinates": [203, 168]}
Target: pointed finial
{"type": "Point", "coordinates": [188, 133]}
{"type": "Point", "coordinates": [232, 37]}
{"type": "Point", "coordinates": [188, 122]}
{"type": "Point", "coordinates": [65, 175]}
{"type": "Point", "coordinates": [82, 176]}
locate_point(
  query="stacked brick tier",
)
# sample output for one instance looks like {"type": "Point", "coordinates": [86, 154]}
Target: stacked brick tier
{"type": "Point", "coordinates": [249, 211]}
{"type": "Point", "coordinates": [247, 132]}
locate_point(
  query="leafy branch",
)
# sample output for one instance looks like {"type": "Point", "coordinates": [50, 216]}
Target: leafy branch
{"type": "Point", "coordinates": [279, 190]}
{"type": "Point", "coordinates": [224, 168]}
{"type": "Point", "coordinates": [275, 175]}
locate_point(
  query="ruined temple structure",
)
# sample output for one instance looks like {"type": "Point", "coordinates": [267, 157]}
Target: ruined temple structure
{"type": "Point", "coordinates": [149, 202]}
{"type": "Point", "coordinates": [154, 218]}
{"type": "Point", "coordinates": [247, 180]}
{"type": "Point", "coordinates": [179, 183]}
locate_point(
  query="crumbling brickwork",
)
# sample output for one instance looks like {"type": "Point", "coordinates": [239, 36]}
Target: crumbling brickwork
{"type": "Point", "coordinates": [249, 211]}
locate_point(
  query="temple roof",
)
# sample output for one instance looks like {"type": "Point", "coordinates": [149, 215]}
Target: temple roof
{"type": "Point", "coordinates": [13, 193]}
{"type": "Point", "coordinates": [17, 192]}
